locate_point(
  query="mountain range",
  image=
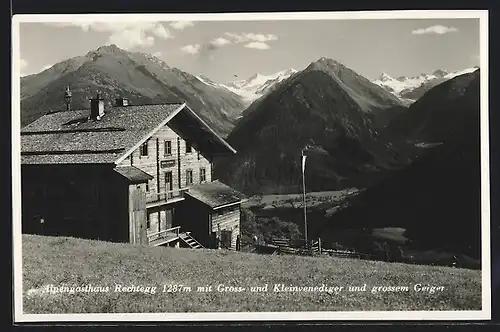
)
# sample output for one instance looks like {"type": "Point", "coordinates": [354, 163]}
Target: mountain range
{"type": "Point", "coordinates": [327, 106]}
{"type": "Point", "coordinates": [437, 198]}
{"type": "Point", "coordinates": [255, 86]}
{"type": "Point", "coordinates": [144, 78]}
{"type": "Point", "coordinates": [140, 77]}
{"type": "Point", "coordinates": [410, 89]}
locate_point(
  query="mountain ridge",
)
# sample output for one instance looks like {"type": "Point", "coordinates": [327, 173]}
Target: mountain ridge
{"type": "Point", "coordinates": [326, 105]}
{"type": "Point", "coordinates": [141, 77]}
{"type": "Point", "coordinates": [442, 185]}
{"type": "Point", "coordinates": [411, 88]}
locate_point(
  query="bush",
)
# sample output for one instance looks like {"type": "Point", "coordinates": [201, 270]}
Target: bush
{"type": "Point", "coordinates": [266, 227]}
{"type": "Point", "coordinates": [248, 225]}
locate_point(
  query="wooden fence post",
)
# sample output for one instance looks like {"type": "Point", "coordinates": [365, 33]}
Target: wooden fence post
{"type": "Point", "coordinates": [319, 245]}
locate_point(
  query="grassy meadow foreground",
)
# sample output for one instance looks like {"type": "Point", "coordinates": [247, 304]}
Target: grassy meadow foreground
{"type": "Point", "coordinates": [188, 275]}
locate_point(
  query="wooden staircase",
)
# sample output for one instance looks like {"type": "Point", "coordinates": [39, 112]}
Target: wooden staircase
{"type": "Point", "coordinates": [190, 241]}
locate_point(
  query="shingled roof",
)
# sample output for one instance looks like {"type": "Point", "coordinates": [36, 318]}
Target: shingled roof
{"type": "Point", "coordinates": [215, 194]}
{"type": "Point", "coordinates": [133, 174]}
{"type": "Point", "coordinates": [70, 137]}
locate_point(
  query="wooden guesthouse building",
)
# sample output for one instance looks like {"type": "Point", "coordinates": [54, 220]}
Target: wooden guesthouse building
{"type": "Point", "coordinates": [128, 173]}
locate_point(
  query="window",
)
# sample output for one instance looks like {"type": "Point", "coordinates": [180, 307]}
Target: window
{"type": "Point", "coordinates": [147, 186]}
{"type": "Point", "coordinates": [144, 149]}
{"type": "Point", "coordinates": [148, 222]}
{"type": "Point", "coordinates": [189, 148]}
{"type": "Point", "coordinates": [203, 175]}
{"type": "Point", "coordinates": [189, 177]}
{"type": "Point", "coordinates": [168, 148]}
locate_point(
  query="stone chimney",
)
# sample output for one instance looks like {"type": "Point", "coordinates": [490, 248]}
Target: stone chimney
{"type": "Point", "coordinates": [96, 107]}
{"type": "Point", "coordinates": [121, 101]}
{"type": "Point", "coordinates": [67, 98]}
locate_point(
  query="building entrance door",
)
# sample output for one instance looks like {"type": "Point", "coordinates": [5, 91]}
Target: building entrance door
{"type": "Point", "coordinates": [169, 186]}
{"type": "Point", "coordinates": [225, 239]}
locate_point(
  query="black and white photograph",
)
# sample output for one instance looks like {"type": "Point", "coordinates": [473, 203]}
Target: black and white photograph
{"type": "Point", "coordinates": [251, 166]}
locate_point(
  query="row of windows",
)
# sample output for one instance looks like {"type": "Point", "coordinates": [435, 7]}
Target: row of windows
{"type": "Point", "coordinates": [189, 176]}
{"type": "Point", "coordinates": [189, 179]}
{"type": "Point", "coordinates": [167, 148]}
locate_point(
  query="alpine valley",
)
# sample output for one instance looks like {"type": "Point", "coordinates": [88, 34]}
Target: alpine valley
{"type": "Point", "coordinates": [378, 170]}
{"type": "Point", "coordinates": [403, 152]}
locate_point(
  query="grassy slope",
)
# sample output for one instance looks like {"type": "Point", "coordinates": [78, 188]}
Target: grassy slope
{"type": "Point", "coordinates": [57, 261]}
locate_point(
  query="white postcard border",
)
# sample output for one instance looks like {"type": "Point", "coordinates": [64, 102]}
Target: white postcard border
{"type": "Point", "coordinates": [484, 314]}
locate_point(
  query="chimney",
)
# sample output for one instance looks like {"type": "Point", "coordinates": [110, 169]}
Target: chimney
{"type": "Point", "coordinates": [67, 98]}
{"type": "Point", "coordinates": [96, 107]}
{"type": "Point", "coordinates": [122, 101]}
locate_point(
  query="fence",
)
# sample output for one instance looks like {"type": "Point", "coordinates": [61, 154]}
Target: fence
{"type": "Point", "coordinates": [280, 245]}
{"type": "Point", "coordinates": [288, 246]}
{"type": "Point", "coordinates": [164, 235]}
{"type": "Point", "coordinates": [316, 246]}
{"type": "Point", "coordinates": [154, 197]}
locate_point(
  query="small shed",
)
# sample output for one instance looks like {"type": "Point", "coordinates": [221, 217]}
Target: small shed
{"type": "Point", "coordinates": [212, 211]}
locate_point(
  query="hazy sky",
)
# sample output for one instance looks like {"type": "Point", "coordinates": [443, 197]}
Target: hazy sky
{"type": "Point", "coordinates": [228, 50]}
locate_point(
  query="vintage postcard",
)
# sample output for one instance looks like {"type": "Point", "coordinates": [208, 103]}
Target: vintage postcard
{"type": "Point", "coordinates": [251, 167]}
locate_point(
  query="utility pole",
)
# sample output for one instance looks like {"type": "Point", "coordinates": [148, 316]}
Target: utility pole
{"type": "Point", "coordinates": [304, 196]}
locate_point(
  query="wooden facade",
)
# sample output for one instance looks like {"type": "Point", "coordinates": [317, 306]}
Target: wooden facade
{"type": "Point", "coordinates": [225, 223]}
{"type": "Point", "coordinates": [175, 165]}
{"type": "Point", "coordinates": [143, 197]}
{"type": "Point", "coordinates": [214, 228]}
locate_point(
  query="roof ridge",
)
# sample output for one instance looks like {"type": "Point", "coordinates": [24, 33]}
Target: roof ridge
{"type": "Point", "coordinates": [150, 104]}
{"type": "Point", "coordinates": [67, 131]}
{"type": "Point", "coordinates": [56, 152]}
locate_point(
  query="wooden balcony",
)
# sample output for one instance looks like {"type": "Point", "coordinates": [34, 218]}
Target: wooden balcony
{"type": "Point", "coordinates": [165, 236]}
{"type": "Point", "coordinates": [154, 198]}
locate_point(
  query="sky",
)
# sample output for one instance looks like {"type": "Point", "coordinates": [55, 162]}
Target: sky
{"type": "Point", "coordinates": [226, 51]}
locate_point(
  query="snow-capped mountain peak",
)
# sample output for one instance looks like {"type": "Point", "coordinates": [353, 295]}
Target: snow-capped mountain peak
{"type": "Point", "coordinates": [461, 72]}
{"type": "Point", "coordinates": [259, 79]}
{"type": "Point", "coordinates": [440, 73]}
{"type": "Point", "coordinates": [410, 88]}
{"type": "Point", "coordinates": [254, 86]}
{"type": "Point", "coordinates": [385, 77]}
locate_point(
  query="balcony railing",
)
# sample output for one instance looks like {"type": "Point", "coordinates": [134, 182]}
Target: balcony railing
{"type": "Point", "coordinates": [154, 197]}
{"type": "Point", "coordinates": [164, 235]}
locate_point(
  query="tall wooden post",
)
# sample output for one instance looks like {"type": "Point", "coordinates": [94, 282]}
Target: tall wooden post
{"type": "Point", "coordinates": [304, 196]}
{"type": "Point", "coordinates": [158, 190]}
{"type": "Point", "coordinates": [179, 161]}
